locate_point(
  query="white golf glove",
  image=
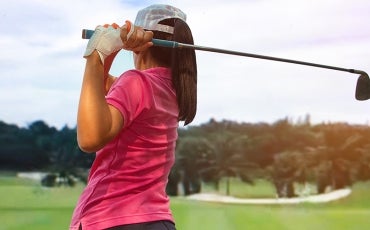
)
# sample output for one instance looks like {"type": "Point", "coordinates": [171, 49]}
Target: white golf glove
{"type": "Point", "coordinates": [106, 40]}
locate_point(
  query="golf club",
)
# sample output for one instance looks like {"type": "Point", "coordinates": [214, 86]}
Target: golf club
{"type": "Point", "coordinates": [363, 82]}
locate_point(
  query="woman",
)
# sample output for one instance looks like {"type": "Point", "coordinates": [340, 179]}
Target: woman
{"type": "Point", "coordinates": [131, 121]}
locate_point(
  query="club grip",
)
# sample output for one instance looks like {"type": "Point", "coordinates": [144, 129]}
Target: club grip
{"type": "Point", "coordinates": [86, 34]}
{"type": "Point", "coordinates": [165, 43]}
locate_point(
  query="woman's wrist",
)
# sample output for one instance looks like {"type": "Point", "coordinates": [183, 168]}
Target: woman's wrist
{"type": "Point", "coordinates": [126, 31]}
{"type": "Point", "coordinates": [94, 59]}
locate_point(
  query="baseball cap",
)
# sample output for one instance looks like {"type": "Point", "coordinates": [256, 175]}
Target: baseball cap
{"type": "Point", "coordinates": [149, 17]}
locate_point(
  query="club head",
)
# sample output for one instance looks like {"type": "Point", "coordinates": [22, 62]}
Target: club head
{"type": "Point", "coordinates": [363, 87]}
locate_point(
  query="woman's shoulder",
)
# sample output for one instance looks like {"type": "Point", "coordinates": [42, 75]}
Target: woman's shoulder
{"type": "Point", "coordinates": [134, 75]}
{"type": "Point", "coordinates": [131, 77]}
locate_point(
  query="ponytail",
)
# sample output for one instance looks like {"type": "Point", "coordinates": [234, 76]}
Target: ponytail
{"type": "Point", "coordinates": [183, 67]}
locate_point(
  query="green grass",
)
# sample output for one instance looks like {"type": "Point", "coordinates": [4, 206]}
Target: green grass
{"type": "Point", "coordinates": [25, 205]}
{"type": "Point", "coordinates": [352, 213]}
{"type": "Point", "coordinates": [224, 216]}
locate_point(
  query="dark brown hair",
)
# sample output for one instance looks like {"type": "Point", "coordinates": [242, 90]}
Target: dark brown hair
{"type": "Point", "coordinates": [183, 67]}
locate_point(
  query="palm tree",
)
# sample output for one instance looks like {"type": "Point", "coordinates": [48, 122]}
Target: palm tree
{"type": "Point", "coordinates": [335, 157]}
{"type": "Point", "coordinates": [228, 160]}
{"type": "Point", "coordinates": [363, 163]}
{"type": "Point", "coordinates": [192, 154]}
{"type": "Point", "coordinates": [283, 172]}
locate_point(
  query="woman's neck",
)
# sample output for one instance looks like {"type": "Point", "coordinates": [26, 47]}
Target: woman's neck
{"type": "Point", "coordinates": [143, 60]}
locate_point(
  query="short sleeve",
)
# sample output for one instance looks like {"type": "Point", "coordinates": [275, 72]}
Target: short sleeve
{"type": "Point", "coordinates": [126, 94]}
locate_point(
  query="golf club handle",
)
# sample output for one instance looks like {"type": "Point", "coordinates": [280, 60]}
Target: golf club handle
{"type": "Point", "coordinates": [86, 34]}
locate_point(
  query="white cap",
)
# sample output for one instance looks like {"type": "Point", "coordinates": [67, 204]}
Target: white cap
{"type": "Point", "coordinates": [149, 17]}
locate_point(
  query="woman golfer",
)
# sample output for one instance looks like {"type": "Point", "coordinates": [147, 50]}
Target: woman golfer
{"type": "Point", "coordinates": [131, 121]}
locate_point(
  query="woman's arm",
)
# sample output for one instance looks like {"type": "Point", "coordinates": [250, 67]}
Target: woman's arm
{"type": "Point", "coordinates": [109, 82]}
{"type": "Point", "coordinates": [97, 121]}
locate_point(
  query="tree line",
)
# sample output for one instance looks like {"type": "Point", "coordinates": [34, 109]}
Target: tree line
{"type": "Point", "coordinates": [40, 147]}
{"type": "Point", "coordinates": [329, 155]}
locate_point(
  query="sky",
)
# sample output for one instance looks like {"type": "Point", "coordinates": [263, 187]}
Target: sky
{"type": "Point", "coordinates": [41, 64]}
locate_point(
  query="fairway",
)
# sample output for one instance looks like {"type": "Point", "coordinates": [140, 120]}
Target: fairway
{"type": "Point", "coordinates": [195, 215]}
{"type": "Point", "coordinates": [25, 205]}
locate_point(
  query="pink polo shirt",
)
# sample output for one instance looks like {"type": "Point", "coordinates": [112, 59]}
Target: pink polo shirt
{"type": "Point", "coordinates": [128, 178]}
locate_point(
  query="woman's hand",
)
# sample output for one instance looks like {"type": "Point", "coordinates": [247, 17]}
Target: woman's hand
{"type": "Point", "coordinates": [135, 38]}
{"type": "Point", "coordinates": [110, 39]}
{"type": "Point", "coordinates": [106, 40]}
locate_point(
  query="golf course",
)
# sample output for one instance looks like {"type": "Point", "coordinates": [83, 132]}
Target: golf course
{"type": "Point", "coordinates": [24, 204]}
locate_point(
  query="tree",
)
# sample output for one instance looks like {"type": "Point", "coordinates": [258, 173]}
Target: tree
{"type": "Point", "coordinates": [191, 156]}
{"type": "Point", "coordinates": [363, 163]}
{"type": "Point", "coordinates": [290, 167]}
{"type": "Point", "coordinates": [24, 149]}
{"type": "Point", "coordinates": [43, 140]}
{"type": "Point", "coordinates": [228, 160]}
{"type": "Point", "coordinates": [66, 158]}
{"type": "Point", "coordinates": [336, 156]}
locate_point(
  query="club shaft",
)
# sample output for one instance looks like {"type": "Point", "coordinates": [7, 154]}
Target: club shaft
{"type": "Point", "coordinates": [172, 44]}
{"type": "Point", "coordinates": [86, 34]}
